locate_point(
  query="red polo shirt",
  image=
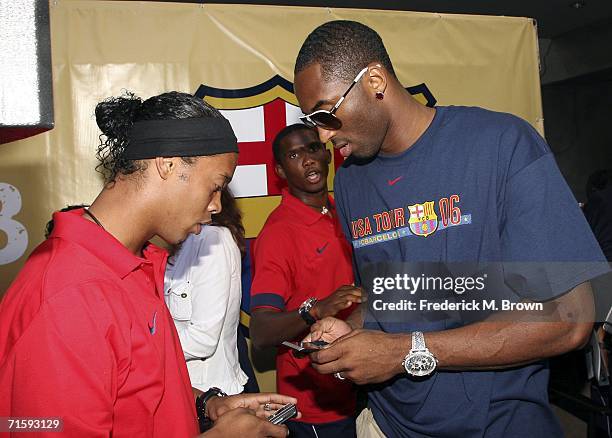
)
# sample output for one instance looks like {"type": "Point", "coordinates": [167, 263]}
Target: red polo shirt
{"type": "Point", "coordinates": [85, 336]}
{"type": "Point", "coordinates": [299, 254]}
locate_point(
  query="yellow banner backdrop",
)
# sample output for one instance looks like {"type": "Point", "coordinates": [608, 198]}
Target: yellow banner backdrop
{"type": "Point", "coordinates": [240, 58]}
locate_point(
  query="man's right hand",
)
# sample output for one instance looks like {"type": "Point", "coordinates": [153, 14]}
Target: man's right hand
{"type": "Point", "coordinates": [328, 330]}
{"type": "Point", "coordinates": [242, 422]}
{"type": "Point", "coordinates": [341, 299]}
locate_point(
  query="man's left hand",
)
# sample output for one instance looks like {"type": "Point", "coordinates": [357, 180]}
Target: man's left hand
{"type": "Point", "coordinates": [364, 356]}
{"type": "Point", "coordinates": [258, 403]}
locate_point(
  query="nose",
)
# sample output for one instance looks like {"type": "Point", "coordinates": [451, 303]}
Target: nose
{"type": "Point", "coordinates": [214, 206]}
{"type": "Point", "coordinates": [308, 159]}
{"type": "Point", "coordinates": [325, 135]}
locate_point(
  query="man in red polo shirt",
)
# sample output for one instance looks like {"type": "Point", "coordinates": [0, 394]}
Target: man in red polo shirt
{"type": "Point", "coordinates": [87, 345]}
{"type": "Point", "coordinates": [303, 273]}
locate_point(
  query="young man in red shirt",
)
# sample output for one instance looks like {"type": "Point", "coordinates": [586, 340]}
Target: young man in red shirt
{"type": "Point", "coordinates": [303, 272]}
{"type": "Point", "coordinates": [85, 335]}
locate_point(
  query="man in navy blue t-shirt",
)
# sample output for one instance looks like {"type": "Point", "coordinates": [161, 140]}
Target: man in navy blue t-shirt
{"type": "Point", "coordinates": [465, 189]}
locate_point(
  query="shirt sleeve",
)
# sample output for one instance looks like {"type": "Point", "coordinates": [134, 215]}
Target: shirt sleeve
{"type": "Point", "coordinates": [211, 277]}
{"type": "Point", "coordinates": [272, 283]}
{"type": "Point", "coordinates": [67, 367]}
{"type": "Point", "coordinates": [344, 220]}
{"type": "Point", "coordinates": [547, 246]}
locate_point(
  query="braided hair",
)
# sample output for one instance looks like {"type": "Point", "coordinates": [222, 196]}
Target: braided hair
{"type": "Point", "coordinates": [116, 115]}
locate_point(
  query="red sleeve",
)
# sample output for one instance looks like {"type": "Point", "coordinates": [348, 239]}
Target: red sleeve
{"type": "Point", "coordinates": [273, 279]}
{"type": "Point", "coordinates": [65, 363]}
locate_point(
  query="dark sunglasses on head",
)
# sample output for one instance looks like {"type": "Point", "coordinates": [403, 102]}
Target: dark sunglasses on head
{"type": "Point", "coordinates": [326, 119]}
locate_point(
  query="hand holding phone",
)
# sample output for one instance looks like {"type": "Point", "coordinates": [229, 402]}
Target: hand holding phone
{"type": "Point", "coordinates": [312, 346]}
{"type": "Point", "coordinates": [283, 414]}
{"type": "Point", "coordinates": [305, 347]}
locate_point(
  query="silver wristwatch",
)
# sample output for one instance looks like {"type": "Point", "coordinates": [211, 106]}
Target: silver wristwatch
{"type": "Point", "coordinates": [419, 361]}
{"type": "Point", "coordinates": [304, 311]}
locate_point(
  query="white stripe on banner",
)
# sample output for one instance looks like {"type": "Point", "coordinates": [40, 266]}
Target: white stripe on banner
{"type": "Point", "coordinates": [248, 124]}
{"type": "Point", "coordinates": [249, 181]}
{"type": "Point", "coordinates": [292, 114]}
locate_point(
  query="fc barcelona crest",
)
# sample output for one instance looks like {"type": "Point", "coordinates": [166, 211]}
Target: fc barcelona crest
{"type": "Point", "coordinates": [423, 220]}
{"type": "Point", "coordinates": [257, 114]}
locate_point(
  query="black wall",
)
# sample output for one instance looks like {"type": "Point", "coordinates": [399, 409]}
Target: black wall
{"type": "Point", "coordinates": [578, 126]}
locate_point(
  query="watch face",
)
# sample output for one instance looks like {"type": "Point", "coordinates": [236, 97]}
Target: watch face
{"type": "Point", "coordinates": [308, 304]}
{"type": "Point", "coordinates": [420, 363]}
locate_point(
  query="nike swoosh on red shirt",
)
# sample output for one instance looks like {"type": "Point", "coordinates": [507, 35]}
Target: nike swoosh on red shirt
{"type": "Point", "coordinates": [320, 250]}
{"type": "Point", "coordinates": [394, 180]}
{"type": "Point", "coordinates": [153, 327]}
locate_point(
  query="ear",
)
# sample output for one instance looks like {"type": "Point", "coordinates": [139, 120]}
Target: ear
{"type": "Point", "coordinates": [165, 166]}
{"type": "Point", "coordinates": [280, 172]}
{"type": "Point", "coordinates": [329, 156]}
{"type": "Point", "coordinates": [377, 78]}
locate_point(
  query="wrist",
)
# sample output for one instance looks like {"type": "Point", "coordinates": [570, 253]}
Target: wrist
{"type": "Point", "coordinates": [402, 346]}
{"type": "Point", "coordinates": [206, 400]}
{"type": "Point", "coordinates": [305, 311]}
{"type": "Point", "coordinates": [420, 361]}
{"type": "Point", "coordinates": [209, 405]}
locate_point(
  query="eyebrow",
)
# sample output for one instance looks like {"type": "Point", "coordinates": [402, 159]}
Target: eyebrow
{"type": "Point", "coordinates": [319, 103]}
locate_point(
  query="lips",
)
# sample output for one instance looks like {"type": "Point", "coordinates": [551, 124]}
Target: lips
{"type": "Point", "coordinates": [313, 176]}
{"type": "Point", "coordinates": [344, 149]}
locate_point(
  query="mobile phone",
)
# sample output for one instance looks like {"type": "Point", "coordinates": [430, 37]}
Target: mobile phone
{"type": "Point", "coordinates": [283, 414]}
{"type": "Point", "coordinates": [312, 346]}
{"type": "Point", "coordinates": [305, 347]}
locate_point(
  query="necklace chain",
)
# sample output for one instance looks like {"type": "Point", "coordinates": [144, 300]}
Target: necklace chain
{"type": "Point", "coordinates": [323, 209]}
{"type": "Point", "coordinates": [95, 219]}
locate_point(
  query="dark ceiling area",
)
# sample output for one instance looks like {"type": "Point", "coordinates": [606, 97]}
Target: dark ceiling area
{"type": "Point", "coordinates": [554, 17]}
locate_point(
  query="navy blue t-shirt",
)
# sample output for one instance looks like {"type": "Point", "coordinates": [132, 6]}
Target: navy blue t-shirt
{"type": "Point", "coordinates": [493, 189]}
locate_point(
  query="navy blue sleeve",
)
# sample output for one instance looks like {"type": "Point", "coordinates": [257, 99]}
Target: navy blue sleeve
{"type": "Point", "coordinates": [545, 239]}
{"type": "Point", "coordinates": [344, 220]}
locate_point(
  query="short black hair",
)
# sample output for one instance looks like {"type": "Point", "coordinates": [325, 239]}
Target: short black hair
{"type": "Point", "coordinates": [276, 144]}
{"type": "Point", "coordinates": [342, 48]}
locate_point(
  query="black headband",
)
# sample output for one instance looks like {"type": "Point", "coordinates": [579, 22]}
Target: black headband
{"type": "Point", "coordinates": [180, 138]}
